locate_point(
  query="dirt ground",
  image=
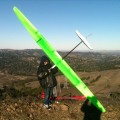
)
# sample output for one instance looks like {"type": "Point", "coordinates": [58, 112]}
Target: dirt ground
{"type": "Point", "coordinates": [31, 108]}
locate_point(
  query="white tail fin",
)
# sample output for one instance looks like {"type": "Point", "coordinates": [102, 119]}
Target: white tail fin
{"type": "Point", "coordinates": [83, 39]}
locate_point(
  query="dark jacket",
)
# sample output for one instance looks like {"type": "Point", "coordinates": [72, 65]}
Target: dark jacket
{"type": "Point", "coordinates": [90, 111]}
{"type": "Point", "coordinates": [46, 78]}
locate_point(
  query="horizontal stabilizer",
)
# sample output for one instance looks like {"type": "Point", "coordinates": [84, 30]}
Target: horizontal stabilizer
{"type": "Point", "coordinates": [83, 39]}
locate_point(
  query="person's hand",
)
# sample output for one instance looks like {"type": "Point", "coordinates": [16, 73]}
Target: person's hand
{"type": "Point", "coordinates": [49, 70]}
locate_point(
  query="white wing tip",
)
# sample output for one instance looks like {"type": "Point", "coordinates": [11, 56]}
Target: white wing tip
{"type": "Point", "coordinates": [76, 31]}
{"type": "Point", "coordinates": [83, 39]}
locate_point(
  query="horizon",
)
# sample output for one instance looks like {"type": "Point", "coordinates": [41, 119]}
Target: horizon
{"type": "Point", "coordinates": [58, 20]}
{"type": "Point", "coordinates": [63, 50]}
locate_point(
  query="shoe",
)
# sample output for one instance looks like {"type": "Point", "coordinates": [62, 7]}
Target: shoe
{"type": "Point", "coordinates": [50, 104]}
{"type": "Point", "coordinates": [47, 106]}
{"type": "Point", "coordinates": [57, 102]}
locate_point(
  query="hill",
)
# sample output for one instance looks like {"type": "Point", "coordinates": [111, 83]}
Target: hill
{"type": "Point", "coordinates": [99, 70]}
{"type": "Point", "coordinates": [25, 62]}
{"type": "Point", "coordinates": [20, 90]}
{"type": "Point", "coordinates": [22, 99]}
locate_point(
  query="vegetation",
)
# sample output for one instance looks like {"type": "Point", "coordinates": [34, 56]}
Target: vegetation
{"type": "Point", "coordinates": [26, 62]}
{"type": "Point", "coordinates": [96, 79]}
{"type": "Point", "coordinates": [15, 93]}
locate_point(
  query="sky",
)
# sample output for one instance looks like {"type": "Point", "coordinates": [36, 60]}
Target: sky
{"type": "Point", "coordinates": [57, 21]}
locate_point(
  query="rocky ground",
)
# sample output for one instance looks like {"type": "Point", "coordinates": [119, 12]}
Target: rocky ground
{"type": "Point", "coordinates": [23, 101]}
{"type": "Point", "coordinates": [31, 108]}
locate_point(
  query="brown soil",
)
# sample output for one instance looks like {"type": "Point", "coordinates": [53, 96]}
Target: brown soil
{"type": "Point", "coordinates": [106, 88]}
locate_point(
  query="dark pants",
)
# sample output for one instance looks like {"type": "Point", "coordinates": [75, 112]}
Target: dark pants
{"type": "Point", "coordinates": [48, 94]}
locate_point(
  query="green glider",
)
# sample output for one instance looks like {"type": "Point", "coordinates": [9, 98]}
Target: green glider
{"type": "Point", "coordinates": [57, 60]}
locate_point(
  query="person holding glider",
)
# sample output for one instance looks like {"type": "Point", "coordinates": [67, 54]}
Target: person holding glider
{"type": "Point", "coordinates": [47, 80]}
{"type": "Point", "coordinates": [90, 111]}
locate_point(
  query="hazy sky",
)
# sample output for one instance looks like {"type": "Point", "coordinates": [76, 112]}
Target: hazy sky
{"type": "Point", "coordinates": [58, 20]}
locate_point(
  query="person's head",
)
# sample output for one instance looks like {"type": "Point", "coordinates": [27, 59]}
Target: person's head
{"type": "Point", "coordinates": [44, 60]}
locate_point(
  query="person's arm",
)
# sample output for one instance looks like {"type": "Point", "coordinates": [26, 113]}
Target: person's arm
{"type": "Point", "coordinates": [42, 74]}
{"type": "Point", "coordinates": [54, 70]}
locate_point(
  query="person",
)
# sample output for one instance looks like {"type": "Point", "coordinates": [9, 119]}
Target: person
{"type": "Point", "coordinates": [90, 111]}
{"type": "Point", "coordinates": [47, 80]}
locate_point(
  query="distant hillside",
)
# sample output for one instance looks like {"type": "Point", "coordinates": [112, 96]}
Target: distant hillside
{"type": "Point", "coordinates": [102, 82]}
{"type": "Point", "coordinates": [20, 90]}
{"type": "Point", "coordinates": [25, 62]}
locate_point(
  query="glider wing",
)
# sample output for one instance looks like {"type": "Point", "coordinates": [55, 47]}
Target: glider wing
{"type": "Point", "coordinates": [57, 60]}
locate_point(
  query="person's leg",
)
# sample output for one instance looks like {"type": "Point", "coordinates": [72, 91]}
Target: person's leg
{"type": "Point", "coordinates": [51, 91]}
{"type": "Point", "coordinates": [46, 98]}
{"type": "Point", "coordinates": [55, 91]}
{"type": "Point", "coordinates": [51, 98]}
